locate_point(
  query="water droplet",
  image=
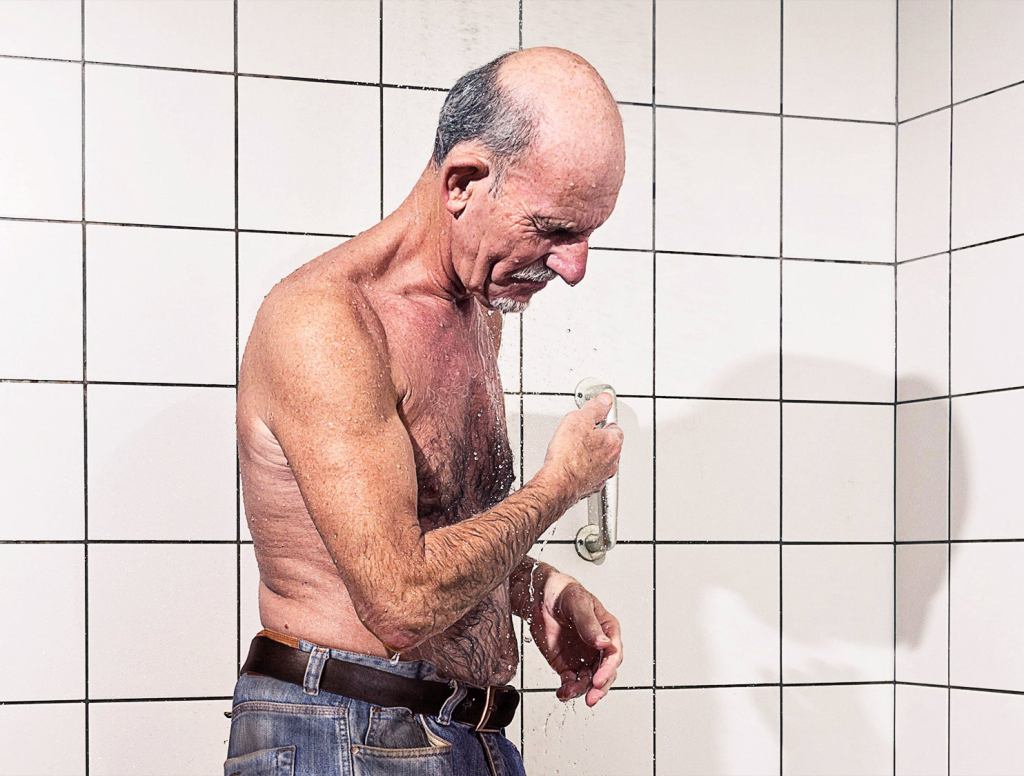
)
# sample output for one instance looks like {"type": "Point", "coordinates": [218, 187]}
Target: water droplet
{"type": "Point", "coordinates": [527, 639]}
{"type": "Point", "coordinates": [394, 659]}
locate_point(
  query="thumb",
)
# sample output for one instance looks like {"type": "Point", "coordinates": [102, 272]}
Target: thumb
{"type": "Point", "coordinates": [593, 633]}
{"type": "Point", "coordinates": [597, 408]}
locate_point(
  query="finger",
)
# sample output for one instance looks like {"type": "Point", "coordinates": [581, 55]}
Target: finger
{"type": "Point", "coordinates": [574, 683]}
{"type": "Point", "coordinates": [597, 408]}
{"type": "Point", "coordinates": [594, 695]}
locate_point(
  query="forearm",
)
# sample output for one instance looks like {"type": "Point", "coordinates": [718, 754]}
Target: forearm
{"type": "Point", "coordinates": [529, 585]}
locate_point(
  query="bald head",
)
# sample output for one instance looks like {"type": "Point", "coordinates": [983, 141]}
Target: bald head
{"type": "Point", "coordinates": [529, 102]}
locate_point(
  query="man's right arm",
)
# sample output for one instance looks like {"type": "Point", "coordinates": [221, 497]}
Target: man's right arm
{"type": "Point", "coordinates": [331, 404]}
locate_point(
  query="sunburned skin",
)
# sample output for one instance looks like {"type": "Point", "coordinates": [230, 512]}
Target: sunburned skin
{"type": "Point", "coordinates": [445, 369]}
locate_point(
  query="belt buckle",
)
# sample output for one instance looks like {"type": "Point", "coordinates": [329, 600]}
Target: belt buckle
{"type": "Point", "coordinates": [486, 715]}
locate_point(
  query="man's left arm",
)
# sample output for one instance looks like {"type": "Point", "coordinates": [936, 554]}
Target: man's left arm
{"type": "Point", "coordinates": [579, 638]}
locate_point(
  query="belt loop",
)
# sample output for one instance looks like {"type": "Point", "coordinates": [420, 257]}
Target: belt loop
{"type": "Point", "coordinates": [448, 707]}
{"type": "Point", "coordinates": [314, 669]}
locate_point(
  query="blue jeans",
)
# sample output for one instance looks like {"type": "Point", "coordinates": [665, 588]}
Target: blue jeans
{"type": "Point", "coordinates": [281, 729]}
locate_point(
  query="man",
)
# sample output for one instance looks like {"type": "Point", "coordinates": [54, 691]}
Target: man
{"type": "Point", "coordinates": [375, 460]}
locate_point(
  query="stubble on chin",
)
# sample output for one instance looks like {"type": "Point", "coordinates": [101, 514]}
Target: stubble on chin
{"type": "Point", "coordinates": [507, 306]}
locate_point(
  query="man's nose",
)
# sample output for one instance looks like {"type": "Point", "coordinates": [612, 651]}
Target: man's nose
{"type": "Point", "coordinates": [570, 262]}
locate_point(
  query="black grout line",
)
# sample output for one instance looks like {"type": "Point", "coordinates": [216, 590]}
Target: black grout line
{"type": "Point", "coordinates": [895, 364]}
{"type": "Point", "coordinates": [85, 397]}
{"type": "Point", "coordinates": [380, 97]}
{"type": "Point", "coordinates": [949, 416]}
{"type": "Point", "coordinates": [238, 469]}
{"type": "Point", "coordinates": [568, 542]}
{"type": "Point", "coordinates": [654, 391]}
{"type": "Point", "coordinates": [522, 481]}
{"type": "Point", "coordinates": [782, 264]}
{"type": "Point", "coordinates": [957, 103]}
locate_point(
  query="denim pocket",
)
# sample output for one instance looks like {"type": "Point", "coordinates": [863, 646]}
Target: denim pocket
{"type": "Point", "coordinates": [264, 762]}
{"type": "Point", "coordinates": [399, 743]}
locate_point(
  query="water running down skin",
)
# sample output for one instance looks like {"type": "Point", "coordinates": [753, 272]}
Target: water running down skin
{"type": "Point", "coordinates": [373, 445]}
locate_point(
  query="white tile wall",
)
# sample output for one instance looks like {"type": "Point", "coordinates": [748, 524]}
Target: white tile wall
{"type": "Point", "coordinates": [41, 299]}
{"type": "Point", "coordinates": [718, 182]}
{"type": "Point", "coordinates": [27, 738]}
{"type": "Point", "coordinates": [838, 190]}
{"type": "Point", "coordinates": [145, 163]}
{"type": "Point", "coordinates": [986, 317]}
{"type": "Point", "coordinates": [722, 730]}
{"type": "Point", "coordinates": [837, 731]}
{"type": "Point", "coordinates": [921, 739]}
{"type": "Point", "coordinates": [984, 734]}
{"type": "Point", "coordinates": [922, 470]}
{"type": "Point", "coordinates": [169, 33]}
{"type": "Point", "coordinates": [988, 170]}
{"type": "Point", "coordinates": [41, 28]}
{"type": "Point", "coordinates": [41, 138]}
{"type": "Point", "coordinates": [924, 54]}
{"type": "Point", "coordinates": [296, 166]}
{"type": "Point", "coordinates": [985, 466]}
{"type": "Point", "coordinates": [718, 614]}
{"type": "Point", "coordinates": [922, 604]}
{"type": "Point", "coordinates": [42, 589]}
{"type": "Point", "coordinates": [837, 331]}
{"type": "Point", "coordinates": [922, 328]}
{"type": "Point", "coordinates": [718, 55]}
{"type": "Point", "coordinates": [629, 226]}
{"type": "Point", "coordinates": [986, 46]}
{"type": "Point", "coordinates": [923, 186]}
{"type": "Point", "coordinates": [613, 35]}
{"type": "Point", "coordinates": [839, 59]}
{"type": "Point", "coordinates": [310, 39]}
{"type": "Point", "coordinates": [42, 424]}
{"type": "Point", "coordinates": [717, 470]}
{"type": "Point", "coordinates": [717, 326]}
{"type": "Point", "coordinates": [410, 121]}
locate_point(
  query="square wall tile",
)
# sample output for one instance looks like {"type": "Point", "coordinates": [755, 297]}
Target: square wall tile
{"type": "Point", "coordinates": [550, 724]}
{"type": "Point", "coordinates": [838, 190]}
{"type": "Point", "coordinates": [43, 599]}
{"type": "Point", "coordinates": [613, 35]}
{"type": "Point", "coordinates": [623, 583]}
{"type": "Point", "coordinates": [987, 315]}
{"type": "Point", "coordinates": [512, 418]}
{"type": "Point", "coordinates": [922, 189]}
{"type": "Point", "coordinates": [837, 472]}
{"type": "Point", "coordinates": [161, 305]}
{"type": "Point", "coordinates": [41, 296]}
{"type": "Point", "coordinates": [43, 424]}
{"type": "Point", "coordinates": [718, 182]}
{"type": "Point", "coordinates": [410, 124]}
{"type": "Point", "coordinates": [169, 33]}
{"type": "Point", "coordinates": [723, 730]}
{"type": "Point", "coordinates": [920, 731]}
{"type": "Point", "coordinates": [41, 28]}
{"type": "Point", "coordinates": [630, 224]}
{"type": "Point", "coordinates": [922, 470]}
{"type": "Point", "coordinates": [838, 621]}
{"type": "Point", "coordinates": [923, 56]}
{"type": "Point", "coordinates": [986, 46]}
{"type": "Point", "coordinates": [310, 38]}
{"type": "Point", "coordinates": [509, 357]}
{"type": "Point", "coordinates": [922, 328]}
{"type": "Point", "coordinates": [308, 156]}
{"type": "Point", "coordinates": [161, 462]}
{"type": "Point", "coordinates": [249, 602]}
{"type": "Point", "coordinates": [718, 55]}
{"type": "Point", "coordinates": [146, 164]}
{"type": "Point", "coordinates": [41, 138]}
{"type": "Point", "coordinates": [922, 601]}
{"type": "Point", "coordinates": [986, 640]}
{"type": "Point", "coordinates": [838, 331]}
{"type": "Point", "coordinates": [718, 614]}
{"type": "Point", "coordinates": [432, 44]}
{"type": "Point", "coordinates": [718, 470]}
{"type": "Point", "coordinates": [27, 739]}
{"type": "Point", "coordinates": [984, 734]}
{"type": "Point", "coordinates": [636, 462]}
{"type": "Point", "coordinates": [988, 444]}
{"type": "Point", "coordinates": [988, 168]}
{"type": "Point", "coordinates": [837, 731]}
{"type": "Point", "coordinates": [717, 326]}
{"type": "Point", "coordinates": [601, 328]}
{"type": "Point", "coordinates": [133, 737]}
{"type": "Point", "coordinates": [839, 59]}
{"type": "Point", "coordinates": [263, 260]}
{"type": "Point", "coordinates": [146, 605]}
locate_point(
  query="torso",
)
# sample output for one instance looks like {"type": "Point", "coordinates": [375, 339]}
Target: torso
{"type": "Point", "coordinates": [444, 365]}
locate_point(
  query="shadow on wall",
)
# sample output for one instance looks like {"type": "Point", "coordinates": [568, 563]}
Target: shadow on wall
{"type": "Point", "coordinates": [719, 623]}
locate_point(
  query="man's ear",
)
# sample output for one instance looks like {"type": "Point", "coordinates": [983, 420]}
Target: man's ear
{"type": "Point", "coordinates": [459, 175]}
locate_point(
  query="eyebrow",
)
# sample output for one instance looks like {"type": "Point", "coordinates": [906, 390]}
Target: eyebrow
{"type": "Point", "coordinates": [550, 224]}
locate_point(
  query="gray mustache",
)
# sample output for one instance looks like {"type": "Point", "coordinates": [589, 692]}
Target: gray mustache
{"type": "Point", "coordinates": [537, 273]}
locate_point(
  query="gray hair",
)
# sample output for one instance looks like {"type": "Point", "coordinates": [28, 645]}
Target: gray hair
{"type": "Point", "coordinates": [478, 108]}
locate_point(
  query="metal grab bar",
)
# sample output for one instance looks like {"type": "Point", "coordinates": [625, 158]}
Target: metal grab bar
{"type": "Point", "coordinates": [598, 536]}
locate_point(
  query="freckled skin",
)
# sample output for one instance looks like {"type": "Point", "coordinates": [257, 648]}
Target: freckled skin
{"type": "Point", "coordinates": [372, 435]}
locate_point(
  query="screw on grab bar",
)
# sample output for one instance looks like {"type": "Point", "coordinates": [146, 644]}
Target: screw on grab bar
{"type": "Point", "coordinates": [598, 536]}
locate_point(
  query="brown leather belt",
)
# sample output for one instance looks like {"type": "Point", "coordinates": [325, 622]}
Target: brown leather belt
{"type": "Point", "coordinates": [487, 709]}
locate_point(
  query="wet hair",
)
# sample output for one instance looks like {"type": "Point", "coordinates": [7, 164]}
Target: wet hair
{"type": "Point", "coordinates": [479, 108]}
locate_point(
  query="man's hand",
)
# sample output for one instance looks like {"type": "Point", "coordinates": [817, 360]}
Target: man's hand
{"type": "Point", "coordinates": [578, 637]}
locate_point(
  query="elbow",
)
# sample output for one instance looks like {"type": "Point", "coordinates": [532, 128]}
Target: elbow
{"type": "Point", "coordinates": [399, 623]}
